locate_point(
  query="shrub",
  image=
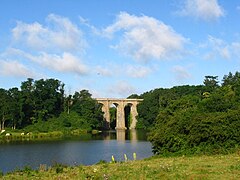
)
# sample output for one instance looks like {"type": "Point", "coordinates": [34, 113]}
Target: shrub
{"type": "Point", "coordinates": [189, 130]}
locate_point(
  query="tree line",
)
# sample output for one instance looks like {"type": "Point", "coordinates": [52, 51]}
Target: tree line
{"type": "Point", "coordinates": [182, 119]}
{"type": "Point", "coordinates": [41, 101]}
{"type": "Point", "coordinates": [193, 119]}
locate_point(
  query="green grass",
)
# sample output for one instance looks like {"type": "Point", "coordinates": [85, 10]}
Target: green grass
{"type": "Point", "coordinates": [196, 167]}
{"type": "Point", "coordinates": [16, 135]}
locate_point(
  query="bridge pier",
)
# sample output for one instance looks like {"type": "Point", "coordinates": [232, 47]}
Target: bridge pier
{"type": "Point", "coordinates": [120, 105]}
{"type": "Point", "coordinates": [134, 114]}
{"type": "Point", "coordinates": [106, 115]}
{"type": "Point", "coordinates": [120, 124]}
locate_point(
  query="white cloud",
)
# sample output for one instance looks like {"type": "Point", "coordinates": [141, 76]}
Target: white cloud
{"type": "Point", "coordinates": [122, 89]}
{"type": "Point", "coordinates": [14, 69]}
{"type": "Point", "coordinates": [104, 71]}
{"type": "Point", "coordinates": [87, 24]}
{"type": "Point", "coordinates": [225, 53]}
{"type": "Point", "coordinates": [54, 45]}
{"type": "Point", "coordinates": [65, 63]}
{"type": "Point", "coordinates": [145, 38]}
{"type": "Point", "coordinates": [215, 48]}
{"type": "Point", "coordinates": [133, 71]}
{"type": "Point", "coordinates": [236, 49]}
{"type": "Point", "coordinates": [59, 34]}
{"type": "Point", "coordinates": [180, 73]}
{"type": "Point", "coordinates": [202, 9]}
{"type": "Point", "coordinates": [137, 71]}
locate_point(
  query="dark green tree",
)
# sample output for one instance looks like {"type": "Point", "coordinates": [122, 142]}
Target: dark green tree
{"type": "Point", "coordinates": [4, 107]}
{"type": "Point", "coordinates": [15, 107]}
{"type": "Point", "coordinates": [49, 98]}
{"type": "Point", "coordinates": [88, 108]}
{"type": "Point", "coordinates": [27, 102]}
{"type": "Point", "coordinates": [198, 124]}
{"type": "Point", "coordinates": [113, 114]}
{"type": "Point", "coordinates": [211, 82]}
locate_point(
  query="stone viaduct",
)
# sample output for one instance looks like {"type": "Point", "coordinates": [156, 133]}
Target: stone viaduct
{"type": "Point", "coordinates": [120, 105]}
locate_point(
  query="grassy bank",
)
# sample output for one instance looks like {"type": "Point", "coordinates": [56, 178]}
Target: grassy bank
{"type": "Point", "coordinates": [18, 135]}
{"type": "Point", "coordinates": [197, 167]}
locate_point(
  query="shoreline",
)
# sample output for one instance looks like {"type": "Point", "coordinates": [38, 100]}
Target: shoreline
{"type": "Point", "coordinates": [193, 167]}
{"type": "Point", "coordinates": [38, 136]}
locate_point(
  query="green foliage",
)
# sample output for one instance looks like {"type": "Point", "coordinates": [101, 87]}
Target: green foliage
{"type": "Point", "coordinates": [211, 82]}
{"type": "Point", "coordinates": [113, 114]}
{"type": "Point", "coordinates": [27, 170]}
{"type": "Point", "coordinates": [101, 162]}
{"type": "Point", "coordinates": [41, 106]}
{"type": "Point", "coordinates": [159, 99]}
{"type": "Point", "coordinates": [37, 101]}
{"type": "Point", "coordinates": [88, 109]}
{"type": "Point", "coordinates": [65, 122]}
{"type": "Point", "coordinates": [133, 96]}
{"type": "Point", "coordinates": [5, 109]}
{"type": "Point", "coordinates": [194, 124]}
{"type": "Point", "coordinates": [59, 168]}
{"type": "Point", "coordinates": [195, 167]}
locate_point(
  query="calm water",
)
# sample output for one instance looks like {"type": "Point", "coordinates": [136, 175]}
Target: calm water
{"type": "Point", "coordinates": [87, 150]}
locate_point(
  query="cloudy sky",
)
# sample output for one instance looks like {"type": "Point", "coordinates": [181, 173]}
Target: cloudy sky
{"type": "Point", "coordinates": [117, 48]}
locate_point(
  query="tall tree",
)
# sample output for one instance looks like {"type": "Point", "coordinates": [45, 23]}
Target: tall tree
{"type": "Point", "coordinates": [211, 82]}
{"type": "Point", "coordinates": [15, 107]}
{"type": "Point", "coordinates": [28, 102]}
{"type": "Point", "coordinates": [49, 98]}
{"type": "Point", "coordinates": [88, 108]}
{"type": "Point", "coordinates": [4, 107]}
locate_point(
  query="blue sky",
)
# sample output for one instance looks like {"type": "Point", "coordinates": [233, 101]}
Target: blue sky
{"type": "Point", "coordinates": [117, 48]}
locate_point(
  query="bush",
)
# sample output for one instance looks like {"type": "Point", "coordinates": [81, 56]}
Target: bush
{"type": "Point", "coordinates": [189, 130]}
{"type": "Point", "coordinates": [59, 167]}
{"type": "Point", "coordinates": [65, 122]}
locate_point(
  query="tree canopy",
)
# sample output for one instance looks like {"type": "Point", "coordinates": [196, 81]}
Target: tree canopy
{"type": "Point", "coordinates": [194, 119]}
{"type": "Point", "coordinates": [40, 101]}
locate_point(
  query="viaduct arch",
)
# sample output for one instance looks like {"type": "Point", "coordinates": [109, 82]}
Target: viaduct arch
{"type": "Point", "coordinates": [120, 105]}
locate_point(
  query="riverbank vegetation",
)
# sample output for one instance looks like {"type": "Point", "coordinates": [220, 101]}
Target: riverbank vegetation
{"type": "Point", "coordinates": [183, 167]}
{"type": "Point", "coordinates": [41, 107]}
{"type": "Point", "coordinates": [200, 119]}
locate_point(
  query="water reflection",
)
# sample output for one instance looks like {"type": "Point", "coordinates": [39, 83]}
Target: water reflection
{"type": "Point", "coordinates": [133, 135]}
{"type": "Point", "coordinates": [87, 149]}
{"type": "Point", "coordinates": [122, 135]}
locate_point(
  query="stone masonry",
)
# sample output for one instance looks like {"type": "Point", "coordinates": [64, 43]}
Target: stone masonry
{"type": "Point", "coordinates": [120, 105]}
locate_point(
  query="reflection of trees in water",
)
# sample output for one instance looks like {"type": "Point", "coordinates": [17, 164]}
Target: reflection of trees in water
{"type": "Point", "coordinates": [108, 135]}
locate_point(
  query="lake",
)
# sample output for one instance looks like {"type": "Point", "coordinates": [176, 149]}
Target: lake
{"type": "Point", "coordinates": [86, 150]}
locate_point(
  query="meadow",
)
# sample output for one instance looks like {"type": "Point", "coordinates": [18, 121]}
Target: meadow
{"type": "Point", "coordinates": [182, 167]}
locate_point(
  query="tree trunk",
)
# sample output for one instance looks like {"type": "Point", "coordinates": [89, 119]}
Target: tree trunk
{"type": "Point", "coordinates": [3, 124]}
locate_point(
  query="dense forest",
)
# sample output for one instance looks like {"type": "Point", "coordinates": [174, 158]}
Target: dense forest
{"type": "Point", "coordinates": [42, 105]}
{"type": "Point", "coordinates": [193, 119]}
{"type": "Point", "coordinates": [181, 120]}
